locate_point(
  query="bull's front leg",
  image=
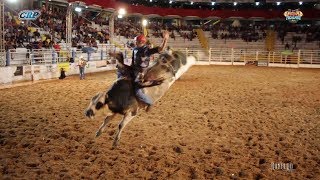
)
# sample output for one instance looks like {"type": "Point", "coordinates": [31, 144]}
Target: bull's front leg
{"type": "Point", "coordinates": [126, 119]}
{"type": "Point", "coordinates": [104, 124]}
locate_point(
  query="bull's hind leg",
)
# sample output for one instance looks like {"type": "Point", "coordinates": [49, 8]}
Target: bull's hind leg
{"type": "Point", "coordinates": [104, 124]}
{"type": "Point", "coordinates": [126, 119]}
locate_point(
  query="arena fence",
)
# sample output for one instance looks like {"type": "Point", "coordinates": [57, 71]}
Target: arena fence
{"type": "Point", "coordinates": [33, 65]}
{"type": "Point", "coordinates": [23, 56]}
{"type": "Point", "coordinates": [299, 58]}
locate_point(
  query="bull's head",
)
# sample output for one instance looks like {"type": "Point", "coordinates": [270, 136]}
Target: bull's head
{"type": "Point", "coordinates": [169, 65]}
{"type": "Point", "coordinates": [182, 63]}
{"type": "Point", "coordinates": [97, 102]}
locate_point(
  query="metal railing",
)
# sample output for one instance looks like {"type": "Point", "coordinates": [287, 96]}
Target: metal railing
{"type": "Point", "coordinates": [50, 56]}
{"type": "Point", "coordinates": [22, 56]}
{"type": "Point", "coordinates": [247, 55]}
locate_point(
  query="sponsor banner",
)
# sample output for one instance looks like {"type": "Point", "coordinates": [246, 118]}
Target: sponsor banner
{"type": "Point", "coordinates": [19, 71]}
{"type": "Point", "coordinates": [65, 66]}
{"type": "Point", "coordinates": [51, 68]}
{"type": "Point", "coordinates": [28, 69]}
{"type": "Point", "coordinates": [26, 15]}
{"type": "Point", "coordinates": [293, 16]}
{"type": "Point", "coordinates": [100, 64]}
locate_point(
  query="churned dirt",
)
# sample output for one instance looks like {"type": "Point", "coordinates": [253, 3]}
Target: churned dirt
{"type": "Point", "coordinates": [216, 122]}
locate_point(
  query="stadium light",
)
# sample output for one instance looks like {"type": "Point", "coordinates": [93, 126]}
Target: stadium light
{"type": "Point", "coordinates": [150, 0]}
{"type": "Point", "coordinates": [300, 2]}
{"type": "Point", "coordinates": [213, 3]}
{"type": "Point", "coordinates": [235, 3]}
{"type": "Point", "coordinates": [191, 2]}
{"type": "Point", "coordinates": [122, 11]}
{"type": "Point", "coordinates": [144, 22]}
{"type": "Point", "coordinates": [78, 9]}
{"type": "Point", "coordinates": [12, 1]}
{"type": "Point", "coordinates": [257, 3]}
{"type": "Point", "coordinates": [170, 2]}
{"type": "Point", "coordinates": [278, 3]}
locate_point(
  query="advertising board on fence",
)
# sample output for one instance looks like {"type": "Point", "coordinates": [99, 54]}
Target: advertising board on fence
{"type": "Point", "coordinates": [65, 66]}
{"type": "Point", "coordinates": [262, 63]}
{"type": "Point", "coordinates": [100, 64]}
{"type": "Point", "coordinates": [19, 71]}
{"type": "Point", "coordinates": [28, 69]}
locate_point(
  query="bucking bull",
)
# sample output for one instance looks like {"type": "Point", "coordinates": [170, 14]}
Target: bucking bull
{"type": "Point", "coordinates": [121, 99]}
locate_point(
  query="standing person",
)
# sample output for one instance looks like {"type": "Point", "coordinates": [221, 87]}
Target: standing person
{"type": "Point", "coordinates": [140, 62]}
{"type": "Point", "coordinates": [82, 64]}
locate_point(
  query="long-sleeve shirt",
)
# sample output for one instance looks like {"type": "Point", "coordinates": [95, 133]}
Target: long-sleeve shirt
{"type": "Point", "coordinates": [141, 57]}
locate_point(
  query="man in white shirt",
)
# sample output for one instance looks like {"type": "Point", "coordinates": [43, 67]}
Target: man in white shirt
{"type": "Point", "coordinates": [82, 64]}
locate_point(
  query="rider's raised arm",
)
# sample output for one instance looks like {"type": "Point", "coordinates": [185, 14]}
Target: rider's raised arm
{"type": "Point", "coordinates": [160, 48]}
{"type": "Point", "coordinates": [164, 42]}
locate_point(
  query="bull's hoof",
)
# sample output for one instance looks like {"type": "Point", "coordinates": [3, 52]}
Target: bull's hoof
{"type": "Point", "coordinates": [149, 108]}
{"type": "Point", "coordinates": [115, 144]}
{"type": "Point", "coordinates": [89, 113]}
{"type": "Point", "coordinates": [98, 133]}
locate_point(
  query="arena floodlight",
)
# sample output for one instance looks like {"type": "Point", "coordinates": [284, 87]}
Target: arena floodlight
{"type": "Point", "coordinates": [235, 3]}
{"type": "Point", "coordinates": [257, 3]}
{"type": "Point", "coordinates": [278, 3]}
{"type": "Point", "coordinates": [170, 2]}
{"type": "Point", "coordinates": [78, 9]}
{"type": "Point", "coordinates": [144, 22]}
{"type": "Point", "coordinates": [213, 3]}
{"type": "Point", "coordinates": [12, 1]}
{"type": "Point", "coordinates": [150, 0]}
{"type": "Point", "coordinates": [300, 2]}
{"type": "Point", "coordinates": [122, 11]}
{"type": "Point", "coordinates": [191, 2]}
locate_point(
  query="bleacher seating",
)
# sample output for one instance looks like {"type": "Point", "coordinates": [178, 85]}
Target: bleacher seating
{"type": "Point", "coordinates": [90, 33]}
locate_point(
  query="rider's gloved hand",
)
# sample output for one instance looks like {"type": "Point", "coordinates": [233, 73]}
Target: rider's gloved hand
{"type": "Point", "coordinates": [139, 77]}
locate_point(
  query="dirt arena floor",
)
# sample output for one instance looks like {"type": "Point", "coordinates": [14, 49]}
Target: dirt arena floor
{"type": "Point", "coordinates": [216, 122]}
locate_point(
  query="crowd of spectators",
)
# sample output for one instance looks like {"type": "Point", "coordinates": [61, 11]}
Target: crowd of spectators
{"type": "Point", "coordinates": [127, 28]}
{"type": "Point", "coordinates": [247, 31]}
{"type": "Point", "coordinates": [49, 29]}
{"type": "Point", "coordinates": [91, 28]}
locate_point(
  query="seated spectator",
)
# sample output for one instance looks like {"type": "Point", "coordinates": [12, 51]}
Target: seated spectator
{"type": "Point", "coordinates": [57, 47]}
{"type": "Point", "coordinates": [62, 74]}
{"type": "Point", "coordinates": [36, 34]}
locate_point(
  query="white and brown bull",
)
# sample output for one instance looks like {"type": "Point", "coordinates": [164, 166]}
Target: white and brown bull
{"type": "Point", "coordinates": [121, 99]}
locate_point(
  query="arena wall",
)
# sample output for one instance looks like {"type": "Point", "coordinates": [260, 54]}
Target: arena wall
{"type": "Point", "coordinates": [14, 74]}
{"type": "Point", "coordinates": [47, 67]}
